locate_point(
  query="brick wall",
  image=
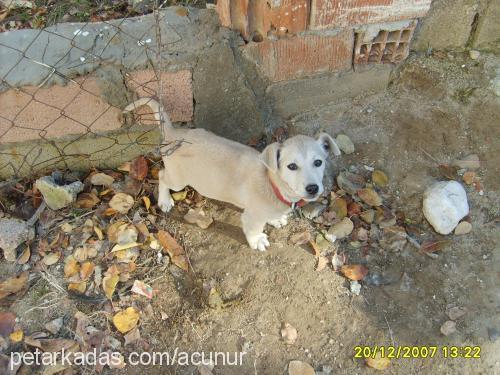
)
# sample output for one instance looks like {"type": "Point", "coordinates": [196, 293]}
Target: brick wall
{"type": "Point", "coordinates": [290, 39]}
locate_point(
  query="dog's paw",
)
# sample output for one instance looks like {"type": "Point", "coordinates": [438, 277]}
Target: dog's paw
{"type": "Point", "coordinates": [279, 223]}
{"type": "Point", "coordinates": [258, 242]}
{"type": "Point", "coordinates": [166, 204]}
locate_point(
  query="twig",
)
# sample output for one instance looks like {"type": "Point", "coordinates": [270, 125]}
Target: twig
{"type": "Point", "coordinates": [429, 156]}
{"type": "Point", "coordinates": [32, 221]}
{"type": "Point", "coordinates": [390, 330]}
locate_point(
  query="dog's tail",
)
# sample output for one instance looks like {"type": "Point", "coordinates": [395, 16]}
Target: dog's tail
{"type": "Point", "coordinates": [158, 110]}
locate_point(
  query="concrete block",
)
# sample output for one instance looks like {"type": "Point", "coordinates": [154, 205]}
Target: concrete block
{"type": "Point", "coordinates": [448, 25]}
{"type": "Point", "coordinates": [327, 14]}
{"type": "Point", "coordinates": [294, 97]}
{"type": "Point", "coordinates": [302, 55]}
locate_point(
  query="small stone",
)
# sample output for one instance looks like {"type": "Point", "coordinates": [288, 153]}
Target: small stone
{"type": "Point", "coordinates": [350, 182]}
{"type": "Point", "coordinates": [101, 179]}
{"type": "Point", "coordinates": [493, 334]}
{"type": "Point", "coordinates": [58, 196]}
{"type": "Point", "coordinates": [313, 210]}
{"type": "Point", "coordinates": [300, 368]}
{"type": "Point", "coordinates": [288, 334]}
{"type": "Point", "coordinates": [13, 232]}
{"type": "Point", "coordinates": [456, 312]}
{"type": "Point", "coordinates": [448, 327]}
{"type": "Point", "coordinates": [342, 229]}
{"type": "Point", "coordinates": [355, 287]}
{"type": "Point", "coordinates": [445, 204]}
{"type": "Point", "coordinates": [463, 227]}
{"type": "Point", "coordinates": [469, 162]}
{"type": "Point", "coordinates": [345, 144]}
{"type": "Point", "coordinates": [54, 325]}
{"type": "Point", "coordinates": [474, 55]}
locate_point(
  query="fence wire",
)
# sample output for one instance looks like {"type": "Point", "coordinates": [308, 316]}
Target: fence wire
{"type": "Point", "coordinates": [31, 158]}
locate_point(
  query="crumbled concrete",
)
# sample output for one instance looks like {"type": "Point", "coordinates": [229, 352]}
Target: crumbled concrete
{"type": "Point", "coordinates": [13, 232]}
{"type": "Point", "coordinates": [58, 196]}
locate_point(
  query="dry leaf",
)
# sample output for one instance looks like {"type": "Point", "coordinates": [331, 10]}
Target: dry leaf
{"type": "Point", "coordinates": [147, 202]}
{"type": "Point", "coordinates": [79, 287]}
{"type": "Point", "coordinates": [379, 362]}
{"type": "Point", "coordinates": [143, 289]}
{"type": "Point", "coordinates": [121, 203]}
{"type": "Point", "coordinates": [179, 196]}
{"type": "Point", "coordinates": [448, 171]}
{"type": "Point", "coordinates": [109, 285]}
{"type": "Point", "coordinates": [469, 177]}
{"type": "Point", "coordinates": [353, 209]}
{"type": "Point", "coordinates": [51, 258]}
{"type": "Point", "coordinates": [126, 320]}
{"type": "Point", "coordinates": [17, 336]}
{"type": "Point", "coordinates": [339, 206]}
{"type": "Point", "coordinates": [50, 345]}
{"type": "Point", "coordinates": [86, 270]}
{"type": "Point", "coordinates": [354, 271]}
{"type": "Point", "coordinates": [322, 263]}
{"type": "Point", "coordinates": [114, 229]}
{"type": "Point", "coordinates": [173, 249]}
{"type": "Point", "coordinates": [370, 197]}
{"type": "Point", "coordinates": [379, 178]}
{"type": "Point", "coordinates": [98, 232]}
{"type": "Point", "coordinates": [101, 179]}
{"type": "Point", "coordinates": [126, 246]}
{"type": "Point", "coordinates": [300, 238]}
{"type": "Point", "coordinates": [155, 173]}
{"type": "Point", "coordinates": [288, 334]}
{"type": "Point", "coordinates": [199, 217]}
{"type": "Point", "coordinates": [132, 336]}
{"type": "Point", "coordinates": [13, 284]}
{"type": "Point", "coordinates": [7, 323]}
{"type": "Point", "coordinates": [87, 200]}
{"type": "Point", "coordinates": [315, 248]}
{"type": "Point", "coordinates": [433, 246]}
{"type": "Point", "coordinates": [139, 168]}
{"type": "Point", "coordinates": [71, 266]}
{"type": "Point", "coordinates": [25, 256]}
{"type": "Point", "coordinates": [109, 212]}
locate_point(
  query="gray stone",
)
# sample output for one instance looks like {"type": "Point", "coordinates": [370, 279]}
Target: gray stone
{"type": "Point", "coordinates": [13, 232]}
{"type": "Point", "coordinates": [345, 144]}
{"type": "Point", "coordinates": [449, 327]}
{"type": "Point", "coordinates": [463, 227]}
{"type": "Point", "coordinates": [58, 196]}
{"type": "Point", "coordinates": [474, 55]}
{"type": "Point", "coordinates": [342, 229]}
{"type": "Point", "coordinates": [444, 205]}
{"type": "Point", "coordinates": [456, 312]}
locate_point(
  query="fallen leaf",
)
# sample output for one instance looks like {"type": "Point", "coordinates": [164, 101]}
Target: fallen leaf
{"type": "Point", "coordinates": [113, 230]}
{"type": "Point", "coordinates": [315, 248]}
{"type": "Point", "coordinates": [354, 271]}
{"type": "Point", "coordinates": [132, 336]}
{"type": "Point", "coordinates": [379, 178]}
{"type": "Point", "coordinates": [71, 266]}
{"type": "Point", "coordinates": [353, 209]}
{"type": "Point", "coordinates": [7, 323]}
{"type": "Point", "coordinates": [55, 325]}
{"type": "Point", "coordinates": [13, 284]}
{"type": "Point", "coordinates": [322, 263]}
{"type": "Point", "coordinates": [147, 202]}
{"type": "Point", "coordinates": [86, 270]}
{"type": "Point", "coordinates": [378, 362]}
{"type": "Point", "coordinates": [50, 345]}
{"type": "Point", "coordinates": [51, 258]}
{"type": "Point", "coordinates": [370, 197]}
{"type": "Point", "coordinates": [199, 217]}
{"type": "Point", "coordinates": [126, 320]}
{"type": "Point", "coordinates": [87, 200]}
{"type": "Point", "coordinates": [300, 238]}
{"type": "Point", "coordinates": [288, 334]}
{"type": "Point", "coordinates": [179, 196]}
{"type": "Point", "coordinates": [109, 285]}
{"type": "Point", "coordinates": [447, 171]}
{"type": "Point", "coordinates": [339, 206]}
{"type": "Point", "coordinates": [109, 212]}
{"type": "Point", "coordinates": [139, 168]}
{"type": "Point", "coordinates": [173, 249]}
{"type": "Point", "coordinates": [433, 246]}
{"type": "Point", "coordinates": [121, 203]}
{"type": "Point", "coordinates": [17, 336]}
{"type": "Point", "coordinates": [78, 287]}
{"type": "Point", "coordinates": [126, 246]}
{"type": "Point", "coordinates": [25, 256]}
{"type": "Point", "coordinates": [143, 289]}
{"type": "Point", "coordinates": [98, 232]}
{"type": "Point", "coordinates": [350, 182]}
{"type": "Point", "coordinates": [125, 167]}
{"type": "Point", "coordinates": [469, 177]}
{"type": "Point", "coordinates": [155, 173]}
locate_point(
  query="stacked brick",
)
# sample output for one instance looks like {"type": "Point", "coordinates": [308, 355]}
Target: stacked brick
{"type": "Point", "coordinates": [290, 39]}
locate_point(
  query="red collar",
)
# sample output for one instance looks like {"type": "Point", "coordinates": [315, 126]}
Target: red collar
{"type": "Point", "coordinates": [282, 198]}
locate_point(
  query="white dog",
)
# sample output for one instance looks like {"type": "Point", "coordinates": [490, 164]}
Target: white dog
{"type": "Point", "coordinates": [265, 185]}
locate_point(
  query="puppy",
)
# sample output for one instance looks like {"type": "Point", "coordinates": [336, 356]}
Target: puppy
{"type": "Point", "coordinates": [267, 185]}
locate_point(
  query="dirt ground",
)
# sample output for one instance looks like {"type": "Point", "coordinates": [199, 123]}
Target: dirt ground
{"type": "Point", "coordinates": [437, 109]}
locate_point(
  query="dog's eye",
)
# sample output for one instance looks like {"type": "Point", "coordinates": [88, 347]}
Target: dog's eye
{"type": "Point", "coordinates": [317, 163]}
{"type": "Point", "coordinates": [292, 167]}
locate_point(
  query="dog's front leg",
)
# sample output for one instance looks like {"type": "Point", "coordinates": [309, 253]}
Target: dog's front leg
{"type": "Point", "coordinates": [165, 201]}
{"type": "Point", "coordinates": [253, 226]}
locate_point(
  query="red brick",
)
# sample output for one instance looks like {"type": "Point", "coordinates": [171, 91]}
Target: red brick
{"type": "Point", "coordinates": [346, 13]}
{"type": "Point", "coordinates": [302, 56]}
{"type": "Point", "coordinates": [291, 16]}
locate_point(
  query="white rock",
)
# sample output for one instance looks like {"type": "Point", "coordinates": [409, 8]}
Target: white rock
{"type": "Point", "coordinates": [13, 232]}
{"type": "Point", "coordinates": [58, 196]}
{"type": "Point", "coordinates": [355, 287]}
{"type": "Point", "coordinates": [445, 204]}
{"type": "Point", "coordinates": [342, 229]}
{"type": "Point", "coordinates": [345, 144]}
{"type": "Point", "coordinates": [474, 55]}
{"type": "Point", "coordinates": [300, 368]}
{"type": "Point", "coordinates": [448, 328]}
{"type": "Point", "coordinates": [463, 228]}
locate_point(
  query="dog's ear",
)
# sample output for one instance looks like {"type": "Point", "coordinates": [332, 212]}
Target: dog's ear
{"type": "Point", "coordinates": [270, 156]}
{"type": "Point", "coordinates": [328, 144]}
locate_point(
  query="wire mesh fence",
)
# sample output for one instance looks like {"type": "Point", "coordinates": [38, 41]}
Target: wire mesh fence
{"type": "Point", "coordinates": [52, 109]}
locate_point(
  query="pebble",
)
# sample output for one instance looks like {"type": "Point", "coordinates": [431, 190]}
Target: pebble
{"type": "Point", "coordinates": [493, 334]}
{"type": "Point", "coordinates": [300, 368]}
{"type": "Point", "coordinates": [463, 227]}
{"type": "Point", "coordinates": [473, 54]}
{"type": "Point", "coordinates": [58, 196]}
{"type": "Point", "coordinates": [355, 287]}
{"type": "Point", "coordinates": [448, 327]}
{"type": "Point", "coordinates": [101, 179]}
{"type": "Point", "coordinates": [345, 144]}
{"type": "Point", "coordinates": [13, 232]}
{"type": "Point", "coordinates": [342, 229]}
{"type": "Point", "coordinates": [444, 205]}
{"type": "Point", "coordinates": [456, 312]}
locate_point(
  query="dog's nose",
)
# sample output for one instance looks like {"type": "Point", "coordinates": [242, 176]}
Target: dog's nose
{"type": "Point", "coordinates": [312, 188]}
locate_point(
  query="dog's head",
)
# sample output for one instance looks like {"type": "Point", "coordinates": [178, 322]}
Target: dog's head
{"type": "Point", "coordinates": [299, 163]}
